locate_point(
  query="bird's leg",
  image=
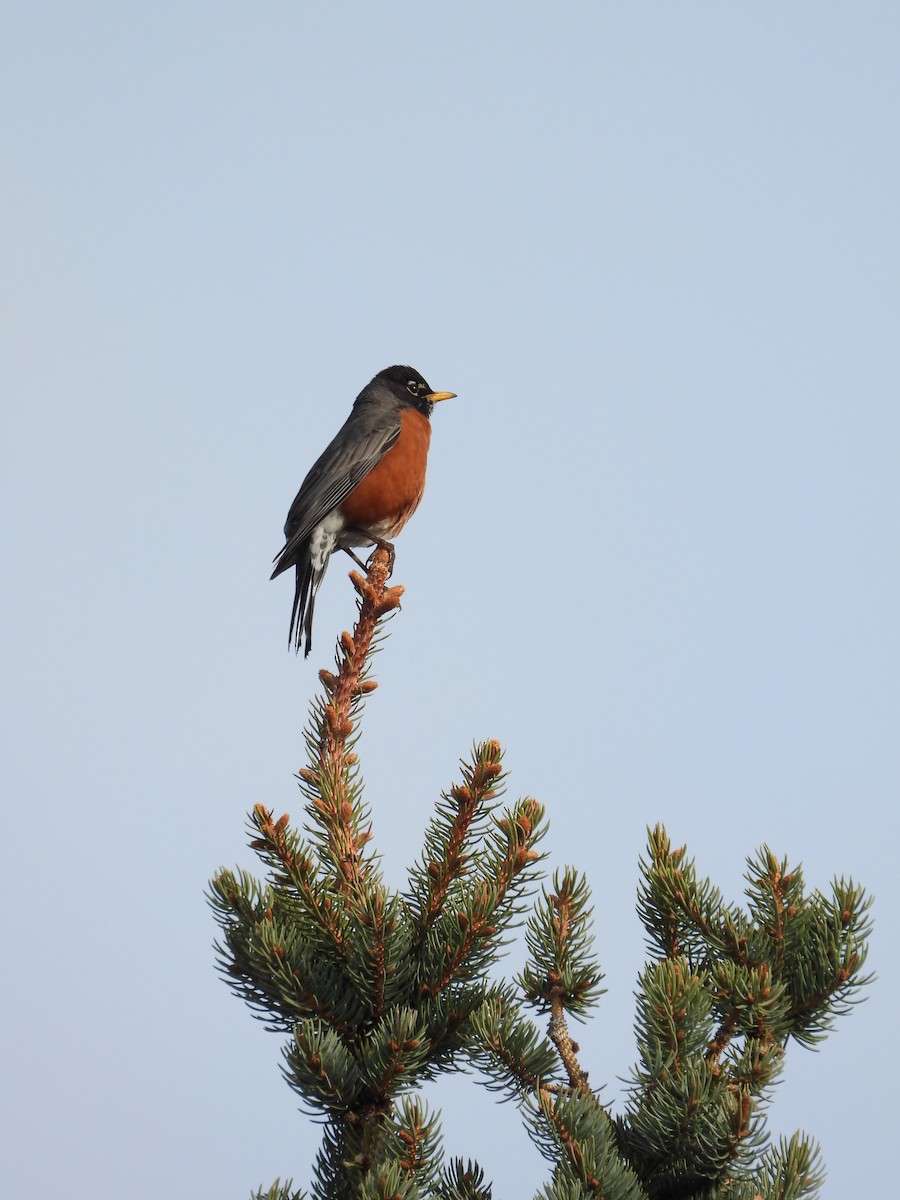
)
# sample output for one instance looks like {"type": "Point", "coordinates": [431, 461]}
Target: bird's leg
{"type": "Point", "coordinates": [380, 544]}
{"type": "Point", "coordinates": [359, 562]}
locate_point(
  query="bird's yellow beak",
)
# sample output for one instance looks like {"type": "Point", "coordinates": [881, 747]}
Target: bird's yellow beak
{"type": "Point", "coordinates": [435, 396]}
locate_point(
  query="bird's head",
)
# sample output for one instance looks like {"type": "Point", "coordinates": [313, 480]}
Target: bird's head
{"type": "Point", "coordinates": [407, 387]}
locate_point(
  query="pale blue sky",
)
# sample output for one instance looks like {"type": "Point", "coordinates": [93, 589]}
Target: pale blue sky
{"type": "Point", "coordinates": [654, 249]}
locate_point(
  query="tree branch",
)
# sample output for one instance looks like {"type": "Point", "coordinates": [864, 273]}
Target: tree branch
{"type": "Point", "coordinates": [330, 780]}
{"type": "Point", "coordinates": [558, 1032]}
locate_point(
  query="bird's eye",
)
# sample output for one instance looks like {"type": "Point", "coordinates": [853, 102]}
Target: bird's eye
{"type": "Point", "coordinates": [413, 386]}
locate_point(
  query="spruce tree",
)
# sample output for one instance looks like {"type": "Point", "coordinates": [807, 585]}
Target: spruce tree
{"type": "Point", "coordinates": [379, 990]}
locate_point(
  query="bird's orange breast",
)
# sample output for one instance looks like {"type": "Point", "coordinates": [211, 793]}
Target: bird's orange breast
{"type": "Point", "coordinates": [388, 496]}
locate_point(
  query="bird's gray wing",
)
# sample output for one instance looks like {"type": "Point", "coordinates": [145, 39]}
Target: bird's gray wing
{"type": "Point", "coordinates": [362, 442]}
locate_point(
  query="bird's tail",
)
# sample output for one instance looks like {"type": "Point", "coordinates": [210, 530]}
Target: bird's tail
{"type": "Point", "coordinates": [308, 581]}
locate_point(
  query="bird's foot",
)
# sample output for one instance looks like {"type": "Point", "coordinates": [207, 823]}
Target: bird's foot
{"type": "Point", "coordinates": [381, 544]}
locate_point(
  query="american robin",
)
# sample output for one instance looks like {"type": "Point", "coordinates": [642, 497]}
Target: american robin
{"type": "Point", "coordinates": [363, 489]}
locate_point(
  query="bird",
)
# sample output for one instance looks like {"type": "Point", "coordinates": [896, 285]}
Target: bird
{"type": "Point", "coordinates": [362, 489]}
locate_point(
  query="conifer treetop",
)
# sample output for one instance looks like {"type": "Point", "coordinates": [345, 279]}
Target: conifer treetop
{"type": "Point", "coordinates": [381, 990]}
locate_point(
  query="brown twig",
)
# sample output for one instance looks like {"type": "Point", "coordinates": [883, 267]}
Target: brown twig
{"type": "Point", "coordinates": [521, 829]}
{"type": "Point", "coordinates": [723, 1036]}
{"type": "Point", "coordinates": [568, 1142]}
{"type": "Point", "coordinates": [415, 1143]}
{"type": "Point", "coordinates": [558, 1032]}
{"type": "Point", "coordinates": [297, 869]}
{"type": "Point", "coordinates": [470, 796]}
{"type": "Point", "coordinates": [332, 802]}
